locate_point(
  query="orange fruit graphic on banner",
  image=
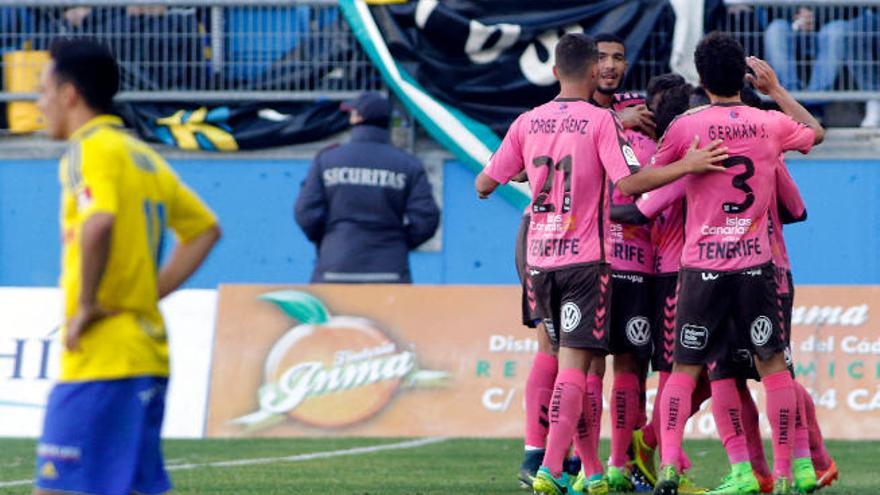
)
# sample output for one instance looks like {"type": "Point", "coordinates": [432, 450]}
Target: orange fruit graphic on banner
{"type": "Point", "coordinates": [331, 371]}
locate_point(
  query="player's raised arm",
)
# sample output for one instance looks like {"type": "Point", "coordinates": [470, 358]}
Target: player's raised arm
{"type": "Point", "coordinates": [764, 79]}
{"type": "Point", "coordinates": [197, 230]}
{"type": "Point", "coordinates": [696, 161]}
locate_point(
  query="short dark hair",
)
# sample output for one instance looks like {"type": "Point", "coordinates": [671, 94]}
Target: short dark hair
{"type": "Point", "coordinates": [609, 38]}
{"type": "Point", "coordinates": [662, 83]}
{"type": "Point", "coordinates": [575, 52]}
{"type": "Point", "coordinates": [90, 67]}
{"type": "Point", "coordinates": [674, 102]}
{"type": "Point", "coordinates": [721, 63]}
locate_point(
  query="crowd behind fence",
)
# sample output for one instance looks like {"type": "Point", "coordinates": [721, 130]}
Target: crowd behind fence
{"type": "Point", "coordinates": [821, 50]}
{"type": "Point", "coordinates": [207, 51]}
{"type": "Point", "coordinates": [222, 50]}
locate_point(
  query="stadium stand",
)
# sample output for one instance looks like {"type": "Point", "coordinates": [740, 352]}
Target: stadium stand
{"type": "Point", "coordinates": [304, 49]}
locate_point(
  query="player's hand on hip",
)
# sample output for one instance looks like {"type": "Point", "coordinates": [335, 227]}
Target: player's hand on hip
{"type": "Point", "coordinates": [86, 315]}
{"type": "Point", "coordinates": [764, 78]}
{"type": "Point", "coordinates": [705, 159]}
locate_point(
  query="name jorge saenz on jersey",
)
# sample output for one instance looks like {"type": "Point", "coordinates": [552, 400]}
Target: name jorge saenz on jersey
{"type": "Point", "coordinates": [332, 371]}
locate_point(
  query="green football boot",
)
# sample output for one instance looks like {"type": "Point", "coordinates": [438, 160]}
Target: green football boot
{"type": "Point", "coordinates": [548, 484]}
{"type": "Point", "coordinates": [594, 485]}
{"type": "Point", "coordinates": [618, 479]}
{"type": "Point", "coordinates": [804, 475]}
{"type": "Point", "coordinates": [740, 481]}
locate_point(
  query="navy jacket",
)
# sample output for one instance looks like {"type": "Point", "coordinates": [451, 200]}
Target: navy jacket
{"type": "Point", "coordinates": [365, 204]}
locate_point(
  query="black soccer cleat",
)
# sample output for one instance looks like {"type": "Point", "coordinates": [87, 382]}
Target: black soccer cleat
{"type": "Point", "coordinates": [530, 465]}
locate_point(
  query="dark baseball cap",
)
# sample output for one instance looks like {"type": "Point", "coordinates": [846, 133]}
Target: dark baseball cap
{"type": "Point", "coordinates": [371, 106]}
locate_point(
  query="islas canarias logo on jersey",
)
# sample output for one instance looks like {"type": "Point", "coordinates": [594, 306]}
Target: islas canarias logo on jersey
{"type": "Point", "coordinates": [332, 371]}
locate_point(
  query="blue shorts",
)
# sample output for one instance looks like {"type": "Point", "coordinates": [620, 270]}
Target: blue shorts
{"type": "Point", "coordinates": [103, 438]}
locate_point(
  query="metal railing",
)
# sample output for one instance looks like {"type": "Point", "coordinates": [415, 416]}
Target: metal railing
{"type": "Point", "coordinates": [222, 50]}
{"type": "Point", "coordinates": [219, 50]}
{"type": "Point", "coordinates": [822, 50]}
{"type": "Point", "coordinates": [653, 59]}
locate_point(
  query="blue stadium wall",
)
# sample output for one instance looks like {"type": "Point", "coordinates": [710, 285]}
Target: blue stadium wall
{"type": "Point", "coordinates": [839, 243]}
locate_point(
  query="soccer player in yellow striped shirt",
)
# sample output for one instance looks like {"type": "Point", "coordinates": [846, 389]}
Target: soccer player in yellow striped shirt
{"type": "Point", "coordinates": [104, 417]}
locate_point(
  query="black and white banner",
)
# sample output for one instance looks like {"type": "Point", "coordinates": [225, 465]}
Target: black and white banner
{"type": "Point", "coordinates": [493, 60]}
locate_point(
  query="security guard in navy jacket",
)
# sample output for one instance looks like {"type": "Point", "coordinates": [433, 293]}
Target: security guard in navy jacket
{"type": "Point", "coordinates": [365, 204]}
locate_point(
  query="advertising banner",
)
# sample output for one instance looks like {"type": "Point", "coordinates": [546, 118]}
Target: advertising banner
{"type": "Point", "coordinates": [30, 348]}
{"type": "Point", "coordinates": [453, 360]}
{"type": "Point", "coordinates": [836, 350]}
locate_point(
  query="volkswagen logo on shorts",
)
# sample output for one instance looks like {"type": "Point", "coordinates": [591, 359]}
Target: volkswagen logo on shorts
{"type": "Point", "coordinates": [762, 328]}
{"type": "Point", "coordinates": [638, 330]}
{"type": "Point", "coordinates": [571, 316]}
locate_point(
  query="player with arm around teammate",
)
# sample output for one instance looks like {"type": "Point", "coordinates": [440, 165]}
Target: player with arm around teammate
{"type": "Point", "coordinates": [567, 147]}
{"type": "Point", "coordinates": [727, 267]}
{"type": "Point", "coordinates": [631, 256]}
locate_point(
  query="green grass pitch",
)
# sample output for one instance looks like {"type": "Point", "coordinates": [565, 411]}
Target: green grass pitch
{"type": "Point", "coordinates": [450, 467]}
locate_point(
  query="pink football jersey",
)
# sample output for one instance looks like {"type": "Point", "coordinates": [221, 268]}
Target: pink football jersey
{"type": "Point", "coordinates": [787, 199]}
{"type": "Point", "coordinates": [569, 149]}
{"type": "Point", "coordinates": [629, 246]}
{"type": "Point", "coordinates": [666, 207]}
{"type": "Point", "coordinates": [727, 212]}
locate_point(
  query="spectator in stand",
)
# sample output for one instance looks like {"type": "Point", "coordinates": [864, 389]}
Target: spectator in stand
{"type": "Point", "coordinates": [830, 43]}
{"type": "Point", "coordinates": [693, 19]}
{"type": "Point", "coordinates": [365, 204]}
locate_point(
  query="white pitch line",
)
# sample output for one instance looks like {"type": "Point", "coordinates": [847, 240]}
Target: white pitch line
{"type": "Point", "coordinates": [6, 484]}
{"type": "Point", "coordinates": [409, 444]}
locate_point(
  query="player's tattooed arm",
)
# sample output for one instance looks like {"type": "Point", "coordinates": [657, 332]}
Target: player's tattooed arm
{"type": "Point", "coordinates": [764, 80]}
{"type": "Point", "coordinates": [485, 185]}
{"type": "Point", "coordinates": [696, 161]}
